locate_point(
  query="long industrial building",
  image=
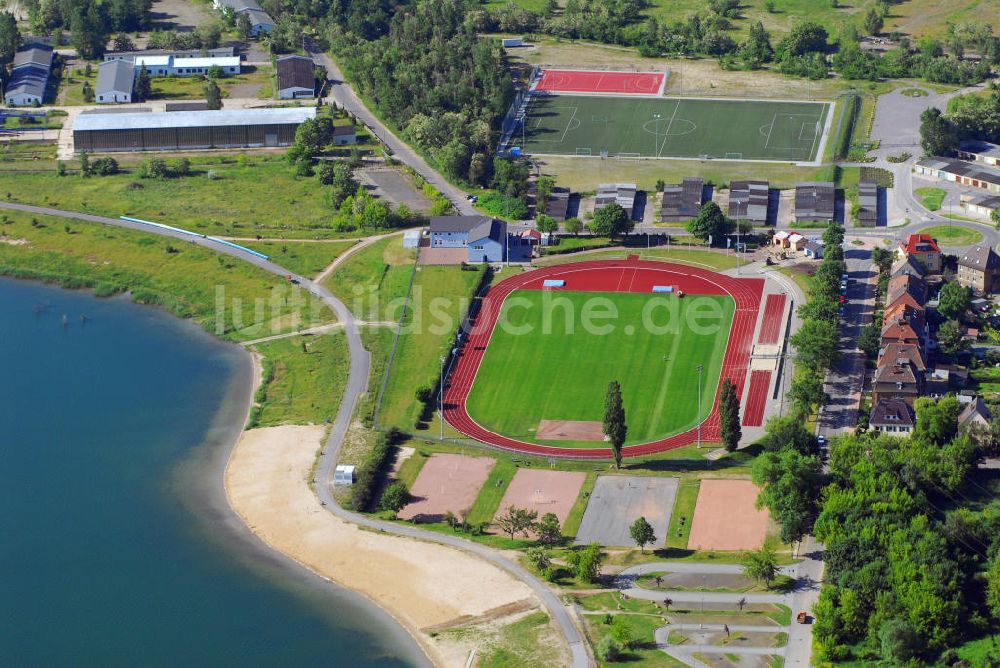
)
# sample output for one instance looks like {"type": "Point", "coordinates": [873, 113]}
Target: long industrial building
{"type": "Point", "coordinates": [188, 130]}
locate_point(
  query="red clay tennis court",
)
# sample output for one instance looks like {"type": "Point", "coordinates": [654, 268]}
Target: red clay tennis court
{"type": "Point", "coordinates": [756, 402]}
{"type": "Point", "coordinates": [770, 326]}
{"type": "Point", "coordinates": [628, 275]}
{"type": "Point", "coordinates": [583, 81]}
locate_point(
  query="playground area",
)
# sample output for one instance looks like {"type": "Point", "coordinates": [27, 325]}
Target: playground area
{"type": "Point", "coordinates": [670, 127]}
{"type": "Point", "coordinates": [726, 517]}
{"type": "Point", "coordinates": [619, 500]}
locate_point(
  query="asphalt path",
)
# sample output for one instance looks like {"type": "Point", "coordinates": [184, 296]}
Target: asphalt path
{"type": "Point", "coordinates": [357, 384]}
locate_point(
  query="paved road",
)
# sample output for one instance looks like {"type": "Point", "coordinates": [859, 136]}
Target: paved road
{"type": "Point", "coordinates": [347, 99]}
{"type": "Point", "coordinates": [357, 383]}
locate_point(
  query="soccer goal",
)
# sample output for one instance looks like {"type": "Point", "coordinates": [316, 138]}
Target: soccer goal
{"type": "Point", "coordinates": [628, 156]}
{"type": "Point", "coordinates": [734, 156]}
{"type": "Point", "coordinates": [583, 151]}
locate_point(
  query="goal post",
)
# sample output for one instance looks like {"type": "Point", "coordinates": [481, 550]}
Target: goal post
{"type": "Point", "coordinates": [583, 151]}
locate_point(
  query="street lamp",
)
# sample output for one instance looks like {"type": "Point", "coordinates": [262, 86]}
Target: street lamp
{"type": "Point", "coordinates": [441, 397]}
{"type": "Point", "coordinates": [699, 405]}
{"type": "Point", "coordinates": [656, 134]}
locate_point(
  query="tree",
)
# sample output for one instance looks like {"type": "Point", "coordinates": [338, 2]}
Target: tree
{"type": "Point", "coordinates": [710, 224]}
{"type": "Point", "coordinates": [395, 497]}
{"type": "Point", "coordinates": [539, 558]}
{"type": "Point", "coordinates": [937, 420]}
{"type": "Point", "coordinates": [761, 565]}
{"type": "Point", "coordinates": [123, 42]}
{"type": "Point", "coordinates": [105, 166]}
{"type": "Point", "coordinates": [882, 259]}
{"type": "Point", "coordinates": [143, 86]}
{"type": "Point", "coordinates": [993, 586]}
{"type": "Point", "coordinates": [244, 27]}
{"type": "Point", "coordinates": [938, 135]}
{"type": "Point", "coordinates": [608, 649]}
{"type": "Point", "coordinates": [615, 427]}
{"type": "Point", "coordinates": [586, 563]}
{"type": "Point", "coordinates": [804, 38]}
{"type": "Point", "coordinates": [757, 47]}
{"type": "Point", "coordinates": [789, 433]}
{"type": "Point", "coordinates": [995, 217]}
{"type": "Point", "coordinates": [10, 38]}
{"type": "Point", "coordinates": [214, 73]}
{"type": "Point", "coordinates": [869, 340]}
{"type": "Point", "coordinates": [611, 220]}
{"type": "Point", "coordinates": [213, 96]}
{"type": "Point", "coordinates": [806, 393]}
{"type": "Point", "coordinates": [88, 92]}
{"type": "Point", "coordinates": [85, 168]}
{"type": "Point", "coordinates": [953, 300]}
{"type": "Point", "coordinates": [898, 640]}
{"type": "Point", "coordinates": [790, 484]}
{"type": "Point", "coordinates": [543, 188]}
{"type": "Point", "coordinates": [546, 224]}
{"type": "Point", "coordinates": [573, 226]}
{"type": "Point", "coordinates": [182, 167]}
{"type": "Point", "coordinates": [873, 22]}
{"type": "Point", "coordinates": [517, 520]}
{"type": "Point", "coordinates": [815, 345]}
{"type": "Point", "coordinates": [642, 533]}
{"type": "Point", "coordinates": [951, 338]}
{"type": "Point", "coordinates": [548, 530]}
{"type": "Point", "coordinates": [729, 416]}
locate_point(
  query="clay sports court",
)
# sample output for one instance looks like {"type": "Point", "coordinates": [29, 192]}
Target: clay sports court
{"type": "Point", "coordinates": [619, 500]}
{"type": "Point", "coordinates": [595, 81]}
{"type": "Point", "coordinates": [527, 388]}
{"type": "Point", "coordinates": [446, 483]}
{"type": "Point", "coordinates": [543, 491]}
{"type": "Point", "coordinates": [726, 517]}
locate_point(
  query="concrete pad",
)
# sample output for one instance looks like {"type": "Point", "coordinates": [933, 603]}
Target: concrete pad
{"type": "Point", "coordinates": [726, 517]}
{"type": "Point", "coordinates": [618, 500]}
{"type": "Point", "coordinates": [446, 483]}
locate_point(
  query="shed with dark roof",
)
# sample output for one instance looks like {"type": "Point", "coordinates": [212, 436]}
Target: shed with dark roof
{"type": "Point", "coordinates": [296, 77]}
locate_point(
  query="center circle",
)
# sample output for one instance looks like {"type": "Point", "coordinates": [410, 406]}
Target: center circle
{"type": "Point", "coordinates": [667, 128]}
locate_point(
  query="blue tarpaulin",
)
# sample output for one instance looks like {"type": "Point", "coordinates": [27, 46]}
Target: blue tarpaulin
{"type": "Point", "coordinates": [553, 283]}
{"type": "Point", "coordinates": [663, 288]}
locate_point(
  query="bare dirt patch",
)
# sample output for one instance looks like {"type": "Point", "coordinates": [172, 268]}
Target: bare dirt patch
{"type": "Point", "coordinates": [447, 483]}
{"type": "Point", "coordinates": [725, 517]}
{"type": "Point", "coordinates": [569, 430]}
{"type": "Point", "coordinates": [543, 491]}
{"type": "Point", "coordinates": [180, 15]}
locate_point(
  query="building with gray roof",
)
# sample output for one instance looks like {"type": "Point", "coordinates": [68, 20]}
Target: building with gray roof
{"type": "Point", "coordinates": [867, 204]}
{"type": "Point", "coordinates": [260, 21]}
{"type": "Point", "coordinates": [29, 75]}
{"type": "Point", "coordinates": [682, 201]}
{"type": "Point", "coordinates": [219, 52]}
{"type": "Point", "coordinates": [956, 171]}
{"type": "Point", "coordinates": [115, 81]}
{"type": "Point", "coordinates": [622, 194]}
{"type": "Point", "coordinates": [976, 150]}
{"type": "Point", "coordinates": [749, 200]}
{"type": "Point", "coordinates": [296, 77]}
{"type": "Point", "coordinates": [815, 202]}
{"type": "Point", "coordinates": [189, 130]}
{"type": "Point", "coordinates": [482, 236]}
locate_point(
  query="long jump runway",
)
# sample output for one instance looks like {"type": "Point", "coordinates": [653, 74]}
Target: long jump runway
{"type": "Point", "coordinates": [629, 275]}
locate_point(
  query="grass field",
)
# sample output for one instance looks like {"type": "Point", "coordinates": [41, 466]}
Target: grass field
{"type": "Point", "coordinates": [673, 127]}
{"type": "Point", "coordinates": [185, 279]}
{"type": "Point", "coordinates": [931, 198]}
{"type": "Point", "coordinates": [954, 235]}
{"type": "Point", "coordinates": [373, 281]}
{"type": "Point", "coordinates": [302, 257]}
{"type": "Point", "coordinates": [559, 371]}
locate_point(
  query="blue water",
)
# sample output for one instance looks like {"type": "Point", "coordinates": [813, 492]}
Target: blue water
{"type": "Point", "coordinates": [116, 545]}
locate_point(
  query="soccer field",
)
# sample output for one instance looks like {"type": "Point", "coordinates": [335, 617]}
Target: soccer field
{"type": "Point", "coordinates": [672, 127]}
{"type": "Point", "coordinates": [542, 363]}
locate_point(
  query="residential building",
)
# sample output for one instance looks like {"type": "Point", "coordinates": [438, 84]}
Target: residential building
{"type": "Point", "coordinates": [115, 81]}
{"type": "Point", "coordinates": [906, 283]}
{"type": "Point", "coordinates": [922, 248]}
{"type": "Point", "coordinates": [867, 204]}
{"type": "Point", "coordinates": [975, 150]}
{"type": "Point", "coordinates": [682, 201]}
{"type": "Point", "coordinates": [188, 130]}
{"type": "Point", "coordinates": [260, 21]}
{"type": "Point", "coordinates": [956, 171]}
{"type": "Point", "coordinates": [484, 237]}
{"type": "Point", "coordinates": [622, 194]}
{"type": "Point", "coordinates": [979, 269]}
{"type": "Point", "coordinates": [897, 379]}
{"type": "Point", "coordinates": [899, 312]}
{"type": "Point", "coordinates": [913, 353]}
{"type": "Point", "coordinates": [975, 420]}
{"type": "Point", "coordinates": [892, 416]}
{"type": "Point", "coordinates": [907, 266]}
{"type": "Point", "coordinates": [901, 331]}
{"type": "Point", "coordinates": [815, 202]}
{"type": "Point", "coordinates": [296, 77]}
{"type": "Point", "coordinates": [812, 249]}
{"type": "Point", "coordinates": [29, 75]}
{"type": "Point", "coordinates": [749, 200]}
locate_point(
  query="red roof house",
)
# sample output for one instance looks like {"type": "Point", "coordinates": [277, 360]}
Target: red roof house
{"type": "Point", "coordinates": [923, 248]}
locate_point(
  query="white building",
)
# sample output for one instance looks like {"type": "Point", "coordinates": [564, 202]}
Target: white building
{"type": "Point", "coordinates": [115, 81]}
{"type": "Point", "coordinates": [169, 66]}
{"type": "Point", "coordinates": [343, 475]}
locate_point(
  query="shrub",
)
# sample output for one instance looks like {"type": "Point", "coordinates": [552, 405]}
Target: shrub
{"type": "Point", "coordinates": [608, 649]}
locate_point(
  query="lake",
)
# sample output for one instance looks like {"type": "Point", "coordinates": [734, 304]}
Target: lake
{"type": "Point", "coordinates": [118, 547]}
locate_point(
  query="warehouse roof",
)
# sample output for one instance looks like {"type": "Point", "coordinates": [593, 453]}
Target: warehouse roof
{"type": "Point", "coordinates": [296, 72]}
{"type": "Point", "coordinates": [35, 53]}
{"type": "Point", "coordinates": [748, 200]}
{"type": "Point", "coordinates": [115, 75]}
{"type": "Point", "coordinates": [193, 119]}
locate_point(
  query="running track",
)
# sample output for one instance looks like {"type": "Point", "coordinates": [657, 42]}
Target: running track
{"type": "Point", "coordinates": [770, 326]}
{"type": "Point", "coordinates": [753, 408]}
{"type": "Point", "coordinates": [631, 275]}
{"type": "Point", "coordinates": [580, 81]}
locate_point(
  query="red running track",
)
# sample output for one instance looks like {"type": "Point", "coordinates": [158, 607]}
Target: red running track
{"type": "Point", "coordinates": [770, 326]}
{"type": "Point", "coordinates": [753, 407]}
{"type": "Point", "coordinates": [581, 81]}
{"type": "Point", "coordinates": [631, 275]}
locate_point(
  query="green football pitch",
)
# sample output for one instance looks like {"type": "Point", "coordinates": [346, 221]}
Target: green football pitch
{"type": "Point", "coordinates": [542, 363]}
{"type": "Point", "coordinates": [672, 127]}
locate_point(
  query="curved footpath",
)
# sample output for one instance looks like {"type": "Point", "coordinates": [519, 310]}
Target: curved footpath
{"type": "Point", "coordinates": [357, 383]}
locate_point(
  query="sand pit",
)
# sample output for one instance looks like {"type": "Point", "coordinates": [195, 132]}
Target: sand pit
{"type": "Point", "coordinates": [422, 584]}
{"type": "Point", "coordinates": [725, 517]}
{"type": "Point", "coordinates": [446, 483]}
{"type": "Point", "coordinates": [569, 430]}
{"type": "Point", "coordinates": [544, 491]}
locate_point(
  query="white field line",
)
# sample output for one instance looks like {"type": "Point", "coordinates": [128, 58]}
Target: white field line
{"type": "Point", "coordinates": [770, 130]}
{"type": "Point", "coordinates": [666, 133]}
{"type": "Point", "coordinates": [568, 123]}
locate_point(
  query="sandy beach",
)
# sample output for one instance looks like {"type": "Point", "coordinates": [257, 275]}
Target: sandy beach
{"type": "Point", "coordinates": [422, 585]}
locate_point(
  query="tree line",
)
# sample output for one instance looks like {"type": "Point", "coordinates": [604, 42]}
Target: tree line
{"type": "Point", "coordinates": [972, 116]}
